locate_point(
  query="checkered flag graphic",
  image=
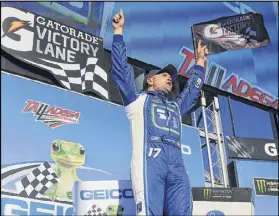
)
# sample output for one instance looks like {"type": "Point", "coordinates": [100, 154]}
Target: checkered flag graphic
{"type": "Point", "coordinates": [37, 182]}
{"type": "Point", "coordinates": [238, 149]}
{"type": "Point", "coordinates": [251, 36]}
{"type": "Point", "coordinates": [95, 211]}
{"type": "Point", "coordinates": [86, 76]}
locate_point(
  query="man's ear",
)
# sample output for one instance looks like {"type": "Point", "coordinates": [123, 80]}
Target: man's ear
{"type": "Point", "coordinates": [150, 80]}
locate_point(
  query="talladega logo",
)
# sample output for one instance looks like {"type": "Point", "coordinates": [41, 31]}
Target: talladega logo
{"type": "Point", "coordinates": [218, 76]}
{"type": "Point", "coordinates": [53, 116]}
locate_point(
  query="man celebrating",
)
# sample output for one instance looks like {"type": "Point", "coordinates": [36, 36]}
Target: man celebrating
{"type": "Point", "coordinates": [159, 179]}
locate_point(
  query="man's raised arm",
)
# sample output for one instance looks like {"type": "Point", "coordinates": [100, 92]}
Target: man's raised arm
{"type": "Point", "coordinates": [188, 97]}
{"type": "Point", "coordinates": [121, 71]}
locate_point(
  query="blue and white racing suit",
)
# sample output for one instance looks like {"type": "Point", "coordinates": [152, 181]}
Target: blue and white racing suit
{"type": "Point", "coordinates": [159, 178]}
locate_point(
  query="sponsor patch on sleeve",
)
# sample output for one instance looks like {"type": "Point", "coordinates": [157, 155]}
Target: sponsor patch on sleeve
{"type": "Point", "coordinates": [139, 207]}
{"type": "Point", "coordinates": [198, 83]}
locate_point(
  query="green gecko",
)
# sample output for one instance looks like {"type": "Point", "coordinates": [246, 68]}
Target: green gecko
{"type": "Point", "coordinates": [67, 157]}
{"type": "Point", "coordinates": [115, 210]}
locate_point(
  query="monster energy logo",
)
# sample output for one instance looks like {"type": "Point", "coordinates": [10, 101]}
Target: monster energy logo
{"type": "Point", "coordinates": [268, 187]}
{"type": "Point", "coordinates": [261, 184]}
{"type": "Point", "coordinates": [207, 193]}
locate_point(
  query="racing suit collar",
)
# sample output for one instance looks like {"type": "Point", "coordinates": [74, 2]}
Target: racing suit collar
{"type": "Point", "coordinates": [158, 93]}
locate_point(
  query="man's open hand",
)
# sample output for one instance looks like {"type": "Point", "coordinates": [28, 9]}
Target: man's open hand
{"type": "Point", "coordinates": [118, 20]}
{"type": "Point", "coordinates": [202, 51]}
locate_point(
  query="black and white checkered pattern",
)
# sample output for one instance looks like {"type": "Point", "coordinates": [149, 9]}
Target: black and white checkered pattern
{"type": "Point", "coordinates": [82, 77]}
{"type": "Point", "coordinates": [37, 182]}
{"type": "Point", "coordinates": [95, 211]}
{"type": "Point", "coordinates": [251, 36]}
{"type": "Point", "coordinates": [237, 149]}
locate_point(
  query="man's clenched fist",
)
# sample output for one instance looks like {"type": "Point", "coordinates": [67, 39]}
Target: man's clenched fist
{"type": "Point", "coordinates": [201, 51]}
{"type": "Point", "coordinates": [118, 20]}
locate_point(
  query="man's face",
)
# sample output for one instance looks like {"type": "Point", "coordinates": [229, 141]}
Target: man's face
{"type": "Point", "coordinates": [161, 82]}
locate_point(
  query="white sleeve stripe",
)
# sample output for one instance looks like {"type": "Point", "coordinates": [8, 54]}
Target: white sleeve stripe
{"type": "Point", "coordinates": [134, 106]}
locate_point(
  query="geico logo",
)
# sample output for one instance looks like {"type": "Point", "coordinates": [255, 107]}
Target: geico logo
{"type": "Point", "coordinates": [13, 206]}
{"type": "Point", "coordinates": [186, 149]}
{"type": "Point", "coordinates": [270, 149]}
{"type": "Point", "coordinates": [106, 194]}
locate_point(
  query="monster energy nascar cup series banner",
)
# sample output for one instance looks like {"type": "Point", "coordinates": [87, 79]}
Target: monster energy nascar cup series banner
{"type": "Point", "coordinates": [222, 201]}
{"type": "Point", "coordinates": [266, 186]}
{"type": "Point", "coordinates": [73, 57]}
{"type": "Point", "coordinates": [232, 33]}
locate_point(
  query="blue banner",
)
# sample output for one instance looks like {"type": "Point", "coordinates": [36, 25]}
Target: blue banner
{"type": "Point", "coordinates": [248, 172]}
{"type": "Point", "coordinates": [49, 131]}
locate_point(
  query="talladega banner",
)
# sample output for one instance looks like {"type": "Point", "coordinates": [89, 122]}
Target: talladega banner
{"type": "Point", "coordinates": [73, 57]}
{"type": "Point", "coordinates": [52, 138]}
